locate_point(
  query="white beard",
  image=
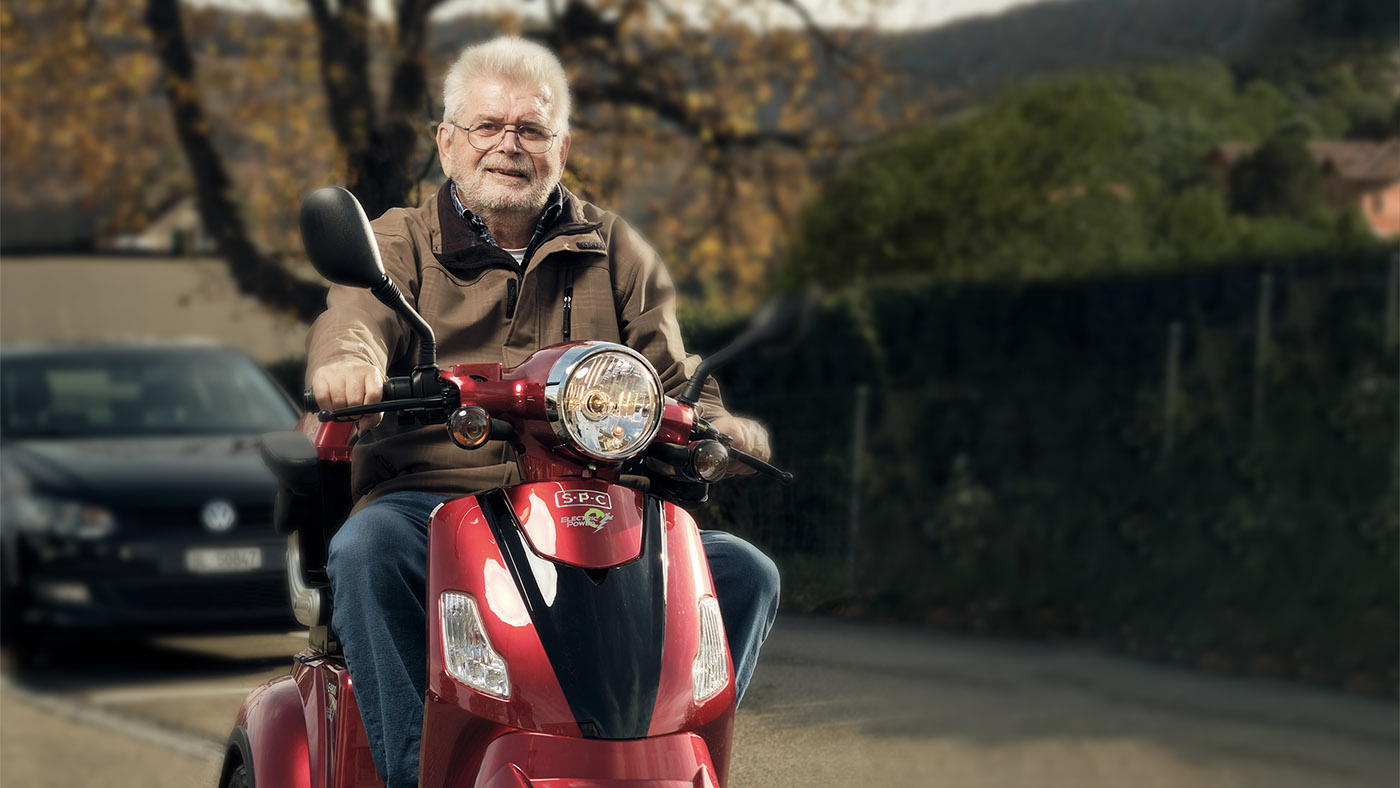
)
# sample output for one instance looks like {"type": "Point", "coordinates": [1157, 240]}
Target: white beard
{"type": "Point", "coordinates": [485, 192]}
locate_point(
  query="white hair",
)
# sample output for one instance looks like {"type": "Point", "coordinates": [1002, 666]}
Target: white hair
{"type": "Point", "coordinates": [511, 59]}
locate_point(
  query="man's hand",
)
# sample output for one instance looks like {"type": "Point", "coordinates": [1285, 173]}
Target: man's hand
{"type": "Point", "coordinates": [344, 384]}
{"type": "Point", "coordinates": [746, 435]}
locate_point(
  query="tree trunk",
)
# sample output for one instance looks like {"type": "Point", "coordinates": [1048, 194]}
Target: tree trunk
{"type": "Point", "coordinates": [378, 150]}
{"type": "Point", "coordinates": [254, 273]}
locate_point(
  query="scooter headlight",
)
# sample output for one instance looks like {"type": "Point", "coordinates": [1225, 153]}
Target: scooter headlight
{"type": "Point", "coordinates": [467, 651]}
{"type": "Point", "coordinates": [604, 400]}
{"type": "Point", "coordinates": [710, 671]}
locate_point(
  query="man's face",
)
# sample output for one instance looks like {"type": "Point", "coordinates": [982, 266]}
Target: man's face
{"type": "Point", "coordinates": [504, 178]}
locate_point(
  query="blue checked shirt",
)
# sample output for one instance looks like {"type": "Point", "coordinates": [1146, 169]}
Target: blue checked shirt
{"type": "Point", "coordinates": [552, 209]}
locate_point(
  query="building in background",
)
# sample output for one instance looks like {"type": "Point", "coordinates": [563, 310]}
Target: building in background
{"type": "Point", "coordinates": [84, 298]}
{"type": "Point", "coordinates": [1361, 174]}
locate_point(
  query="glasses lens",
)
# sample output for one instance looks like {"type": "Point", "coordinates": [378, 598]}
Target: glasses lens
{"type": "Point", "coordinates": [531, 139]}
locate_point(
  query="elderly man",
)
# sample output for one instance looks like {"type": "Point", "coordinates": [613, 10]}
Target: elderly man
{"type": "Point", "coordinates": [502, 261]}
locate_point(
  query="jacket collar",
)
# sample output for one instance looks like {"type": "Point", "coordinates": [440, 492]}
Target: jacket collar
{"type": "Point", "coordinates": [457, 235]}
{"type": "Point", "coordinates": [458, 238]}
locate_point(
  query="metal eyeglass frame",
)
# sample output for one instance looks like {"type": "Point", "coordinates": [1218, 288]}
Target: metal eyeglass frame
{"type": "Point", "coordinates": [507, 128]}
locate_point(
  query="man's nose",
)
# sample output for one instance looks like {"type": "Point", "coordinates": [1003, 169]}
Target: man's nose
{"type": "Point", "coordinates": [510, 141]}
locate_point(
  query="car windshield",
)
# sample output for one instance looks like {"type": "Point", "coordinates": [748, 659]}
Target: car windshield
{"type": "Point", "coordinates": [171, 392]}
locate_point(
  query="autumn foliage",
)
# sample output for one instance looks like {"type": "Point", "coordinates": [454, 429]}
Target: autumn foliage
{"type": "Point", "coordinates": [704, 129]}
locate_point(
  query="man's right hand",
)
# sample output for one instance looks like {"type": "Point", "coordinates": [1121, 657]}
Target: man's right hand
{"type": "Point", "coordinates": [344, 384]}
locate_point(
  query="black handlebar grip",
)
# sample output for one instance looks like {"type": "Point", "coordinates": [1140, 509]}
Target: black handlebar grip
{"type": "Point", "coordinates": [398, 388]}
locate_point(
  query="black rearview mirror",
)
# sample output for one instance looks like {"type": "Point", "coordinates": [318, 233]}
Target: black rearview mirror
{"type": "Point", "coordinates": [338, 239]}
{"type": "Point", "coordinates": [777, 325]}
{"type": "Point", "coordinates": [341, 245]}
{"type": "Point", "coordinates": [780, 322]}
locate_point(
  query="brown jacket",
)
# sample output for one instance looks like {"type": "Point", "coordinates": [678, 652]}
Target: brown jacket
{"type": "Point", "coordinates": [484, 309]}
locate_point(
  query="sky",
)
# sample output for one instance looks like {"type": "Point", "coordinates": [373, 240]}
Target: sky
{"type": "Point", "coordinates": [884, 14]}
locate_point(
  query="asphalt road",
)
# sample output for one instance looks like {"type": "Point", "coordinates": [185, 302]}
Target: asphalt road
{"type": "Point", "coordinates": [833, 704]}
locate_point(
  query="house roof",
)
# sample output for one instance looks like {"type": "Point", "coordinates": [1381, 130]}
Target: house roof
{"type": "Point", "coordinates": [1358, 161]}
{"type": "Point", "coordinates": [1368, 162]}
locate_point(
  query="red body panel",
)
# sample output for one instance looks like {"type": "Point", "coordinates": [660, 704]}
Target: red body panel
{"type": "Point", "coordinates": [533, 759]}
{"type": "Point", "coordinates": [463, 556]}
{"type": "Point", "coordinates": [459, 721]}
{"type": "Point", "coordinates": [677, 421]}
{"type": "Point", "coordinates": [305, 729]}
{"type": "Point", "coordinates": [580, 522]}
{"type": "Point", "coordinates": [351, 763]}
{"type": "Point", "coordinates": [332, 439]}
{"type": "Point", "coordinates": [687, 580]}
{"type": "Point", "coordinates": [273, 719]}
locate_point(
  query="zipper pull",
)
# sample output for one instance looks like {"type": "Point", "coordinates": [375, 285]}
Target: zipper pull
{"type": "Point", "coordinates": [512, 293]}
{"type": "Point", "coordinates": [568, 306]}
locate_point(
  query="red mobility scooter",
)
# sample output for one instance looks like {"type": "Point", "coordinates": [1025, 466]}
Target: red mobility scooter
{"type": "Point", "coordinates": [574, 638]}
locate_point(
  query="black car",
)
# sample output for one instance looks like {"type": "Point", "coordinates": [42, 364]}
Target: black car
{"type": "Point", "coordinates": [132, 495]}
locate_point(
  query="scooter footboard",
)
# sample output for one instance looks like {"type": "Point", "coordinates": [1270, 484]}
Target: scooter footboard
{"type": "Point", "coordinates": [538, 760]}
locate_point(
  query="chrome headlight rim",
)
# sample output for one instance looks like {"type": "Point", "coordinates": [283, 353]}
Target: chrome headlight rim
{"type": "Point", "coordinates": [561, 373]}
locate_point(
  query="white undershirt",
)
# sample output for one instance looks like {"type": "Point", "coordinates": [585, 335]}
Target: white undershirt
{"type": "Point", "coordinates": [518, 254]}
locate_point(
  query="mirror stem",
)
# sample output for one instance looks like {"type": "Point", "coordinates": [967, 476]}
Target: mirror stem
{"type": "Point", "coordinates": [388, 294]}
{"type": "Point", "coordinates": [691, 394]}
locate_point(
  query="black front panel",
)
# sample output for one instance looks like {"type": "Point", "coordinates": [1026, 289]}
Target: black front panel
{"type": "Point", "coordinates": [604, 629]}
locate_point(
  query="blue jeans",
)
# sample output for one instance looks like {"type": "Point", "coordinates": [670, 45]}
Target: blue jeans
{"type": "Point", "coordinates": [379, 576]}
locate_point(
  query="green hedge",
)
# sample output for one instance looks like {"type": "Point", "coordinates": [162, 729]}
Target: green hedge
{"type": "Point", "coordinates": [1018, 477]}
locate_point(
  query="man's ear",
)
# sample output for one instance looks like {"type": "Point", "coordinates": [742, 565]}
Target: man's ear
{"type": "Point", "coordinates": [444, 147]}
{"type": "Point", "coordinates": [564, 150]}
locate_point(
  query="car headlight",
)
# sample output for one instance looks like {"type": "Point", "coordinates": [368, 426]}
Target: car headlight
{"type": "Point", "coordinates": [40, 514]}
{"type": "Point", "coordinates": [710, 671]}
{"type": "Point", "coordinates": [604, 400]}
{"type": "Point", "coordinates": [466, 650]}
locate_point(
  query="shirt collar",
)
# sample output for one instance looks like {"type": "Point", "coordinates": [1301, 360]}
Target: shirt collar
{"type": "Point", "coordinates": [552, 210]}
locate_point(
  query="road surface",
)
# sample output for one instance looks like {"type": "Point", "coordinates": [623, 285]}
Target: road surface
{"type": "Point", "coordinates": [833, 703]}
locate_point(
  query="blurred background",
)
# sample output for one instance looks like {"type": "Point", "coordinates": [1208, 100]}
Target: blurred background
{"type": "Point", "coordinates": [1107, 354]}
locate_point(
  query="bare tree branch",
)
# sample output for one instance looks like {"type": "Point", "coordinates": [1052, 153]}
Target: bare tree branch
{"type": "Point", "coordinates": [254, 273]}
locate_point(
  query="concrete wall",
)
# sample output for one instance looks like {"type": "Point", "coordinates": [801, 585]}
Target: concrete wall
{"type": "Point", "coordinates": [85, 298]}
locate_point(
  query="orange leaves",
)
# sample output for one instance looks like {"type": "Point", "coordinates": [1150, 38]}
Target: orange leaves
{"type": "Point", "coordinates": [702, 129]}
{"type": "Point", "coordinates": [75, 76]}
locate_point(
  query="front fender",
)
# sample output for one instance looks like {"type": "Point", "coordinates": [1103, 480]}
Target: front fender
{"type": "Point", "coordinates": [270, 735]}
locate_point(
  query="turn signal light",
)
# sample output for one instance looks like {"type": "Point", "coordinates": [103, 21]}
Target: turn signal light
{"type": "Point", "coordinates": [469, 426]}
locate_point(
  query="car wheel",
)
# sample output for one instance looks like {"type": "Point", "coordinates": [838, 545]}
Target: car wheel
{"type": "Point", "coordinates": [30, 647]}
{"type": "Point", "coordinates": [21, 643]}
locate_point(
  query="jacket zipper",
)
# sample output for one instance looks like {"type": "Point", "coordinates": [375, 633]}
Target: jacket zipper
{"type": "Point", "coordinates": [512, 294]}
{"type": "Point", "coordinates": [568, 307]}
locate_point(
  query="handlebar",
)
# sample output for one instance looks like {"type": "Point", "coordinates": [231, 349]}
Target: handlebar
{"type": "Point", "coordinates": [398, 398]}
{"type": "Point", "coordinates": [380, 407]}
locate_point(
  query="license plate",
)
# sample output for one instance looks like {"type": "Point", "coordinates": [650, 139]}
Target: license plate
{"type": "Point", "coordinates": [224, 559]}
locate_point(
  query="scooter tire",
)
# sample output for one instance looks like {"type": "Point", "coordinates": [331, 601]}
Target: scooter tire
{"type": "Point", "coordinates": [238, 778]}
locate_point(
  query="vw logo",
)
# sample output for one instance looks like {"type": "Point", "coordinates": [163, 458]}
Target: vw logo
{"type": "Point", "coordinates": [218, 516]}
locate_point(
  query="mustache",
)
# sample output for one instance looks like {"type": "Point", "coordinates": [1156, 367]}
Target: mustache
{"type": "Point", "coordinates": [507, 163]}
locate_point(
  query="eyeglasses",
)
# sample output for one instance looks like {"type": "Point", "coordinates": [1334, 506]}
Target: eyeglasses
{"type": "Point", "coordinates": [487, 135]}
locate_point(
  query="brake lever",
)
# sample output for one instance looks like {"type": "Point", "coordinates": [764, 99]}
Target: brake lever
{"type": "Point", "coordinates": [761, 466]}
{"type": "Point", "coordinates": [705, 429]}
{"type": "Point", "coordinates": [391, 406]}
